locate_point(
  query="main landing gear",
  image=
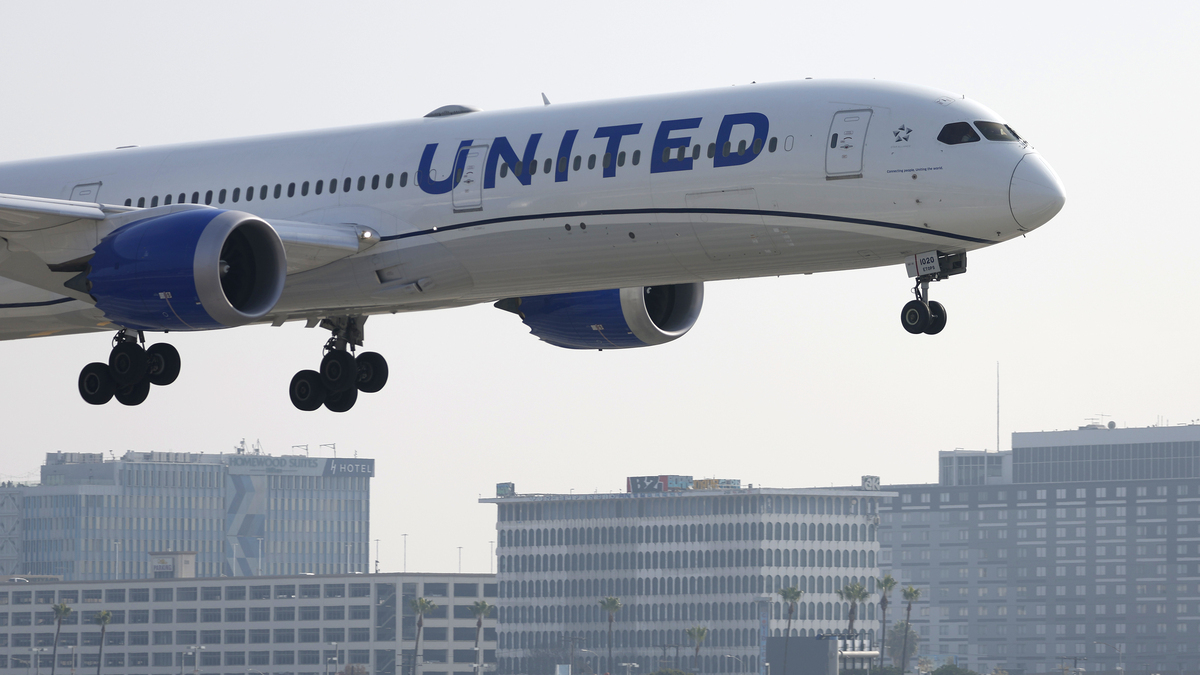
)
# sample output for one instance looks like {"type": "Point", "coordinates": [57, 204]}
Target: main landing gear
{"type": "Point", "coordinates": [923, 315]}
{"type": "Point", "coordinates": [130, 371]}
{"type": "Point", "coordinates": [342, 375]}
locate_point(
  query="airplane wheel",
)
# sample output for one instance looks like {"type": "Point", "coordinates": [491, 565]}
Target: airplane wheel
{"type": "Point", "coordinates": [372, 372]}
{"type": "Point", "coordinates": [163, 364]}
{"type": "Point", "coordinates": [937, 318]}
{"type": "Point", "coordinates": [135, 393]}
{"type": "Point", "coordinates": [96, 385]}
{"type": "Point", "coordinates": [342, 401]}
{"type": "Point", "coordinates": [338, 371]}
{"type": "Point", "coordinates": [127, 363]}
{"type": "Point", "coordinates": [915, 317]}
{"type": "Point", "coordinates": [307, 390]}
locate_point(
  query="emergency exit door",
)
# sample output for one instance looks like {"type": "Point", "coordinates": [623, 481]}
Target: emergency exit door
{"type": "Point", "coordinates": [468, 179]}
{"type": "Point", "coordinates": [844, 146]}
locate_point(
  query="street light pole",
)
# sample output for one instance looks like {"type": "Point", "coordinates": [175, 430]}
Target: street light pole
{"type": "Point", "coordinates": [72, 648]}
{"type": "Point", "coordinates": [1120, 661]}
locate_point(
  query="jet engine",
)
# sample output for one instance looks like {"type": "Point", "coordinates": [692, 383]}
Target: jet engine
{"type": "Point", "coordinates": [199, 269]}
{"type": "Point", "coordinates": [611, 319]}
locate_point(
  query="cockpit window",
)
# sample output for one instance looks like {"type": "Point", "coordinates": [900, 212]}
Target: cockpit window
{"type": "Point", "coordinates": [994, 131]}
{"type": "Point", "coordinates": [958, 132]}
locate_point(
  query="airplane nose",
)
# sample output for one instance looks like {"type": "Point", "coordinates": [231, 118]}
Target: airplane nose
{"type": "Point", "coordinates": [1035, 194]}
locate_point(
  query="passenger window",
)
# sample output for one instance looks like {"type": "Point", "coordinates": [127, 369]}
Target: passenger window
{"type": "Point", "coordinates": [757, 146]}
{"type": "Point", "coordinates": [578, 161]}
{"type": "Point", "coordinates": [142, 202]}
{"type": "Point", "coordinates": [182, 197]}
{"type": "Point", "coordinates": [637, 157]}
{"type": "Point", "coordinates": [304, 189]}
{"type": "Point", "coordinates": [546, 165]}
{"type": "Point", "coordinates": [679, 155]}
{"type": "Point", "coordinates": [666, 154]}
{"type": "Point", "coordinates": [773, 144]}
{"type": "Point", "coordinates": [533, 166]}
{"type": "Point", "coordinates": [696, 151]}
{"type": "Point", "coordinates": [346, 184]}
{"type": "Point", "coordinates": [333, 184]}
{"type": "Point", "coordinates": [607, 160]}
{"type": "Point", "coordinates": [221, 196]}
{"type": "Point", "coordinates": [504, 169]}
{"type": "Point", "coordinates": [994, 131]}
{"type": "Point", "coordinates": [712, 150]}
{"type": "Point", "coordinates": [195, 197]}
{"type": "Point", "coordinates": [404, 179]}
{"type": "Point", "coordinates": [387, 183]}
{"type": "Point", "coordinates": [362, 183]}
{"type": "Point", "coordinates": [517, 168]}
{"type": "Point", "coordinates": [128, 202]}
{"type": "Point", "coordinates": [262, 192]}
{"type": "Point", "coordinates": [250, 193]}
{"type": "Point", "coordinates": [278, 190]}
{"type": "Point", "coordinates": [956, 133]}
{"type": "Point", "coordinates": [167, 200]}
{"type": "Point", "coordinates": [291, 189]}
{"type": "Point", "coordinates": [154, 201]}
{"type": "Point", "coordinates": [591, 162]}
{"type": "Point", "coordinates": [375, 182]}
{"type": "Point", "coordinates": [237, 194]}
{"type": "Point", "coordinates": [320, 186]}
{"type": "Point", "coordinates": [621, 158]}
{"type": "Point", "coordinates": [742, 147]}
{"type": "Point", "coordinates": [725, 150]}
{"type": "Point", "coordinates": [208, 197]}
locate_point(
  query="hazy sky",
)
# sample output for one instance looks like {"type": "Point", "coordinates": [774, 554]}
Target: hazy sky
{"type": "Point", "coordinates": [784, 382]}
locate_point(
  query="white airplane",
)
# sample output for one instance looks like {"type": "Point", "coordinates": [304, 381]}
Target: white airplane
{"type": "Point", "coordinates": [596, 223]}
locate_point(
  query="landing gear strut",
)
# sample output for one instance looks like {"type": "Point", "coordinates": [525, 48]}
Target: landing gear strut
{"type": "Point", "coordinates": [130, 371]}
{"type": "Point", "coordinates": [923, 315]}
{"type": "Point", "coordinates": [341, 375]}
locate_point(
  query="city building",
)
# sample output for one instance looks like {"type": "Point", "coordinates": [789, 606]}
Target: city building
{"type": "Point", "coordinates": [270, 625]}
{"type": "Point", "coordinates": [242, 514]}
{"type": "Point", "coordinates": [677, 557]}
{"type": "Point", "coordinates": [1074, 544]}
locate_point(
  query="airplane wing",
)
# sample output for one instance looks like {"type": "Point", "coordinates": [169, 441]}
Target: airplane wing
{"type": "Point", "coordinates": [45, 242]}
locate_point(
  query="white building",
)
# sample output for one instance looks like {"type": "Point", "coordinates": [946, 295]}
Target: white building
{"type": "Point", "coordinates": [271, 625]}
{"type": "Point", "coordinates": [677, 557]}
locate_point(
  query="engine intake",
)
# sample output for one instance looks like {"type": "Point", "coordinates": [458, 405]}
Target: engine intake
{"type": "Point", "coordinates": [199, 269]}
{"type": "Point", "coordinates": [611, 319]}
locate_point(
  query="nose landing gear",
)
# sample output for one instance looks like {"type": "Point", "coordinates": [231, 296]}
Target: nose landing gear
{"type": "Point", "coordinates": [130, 371]}
{"type": "Point", "coordinates": [342, 375]}
{"type": "Point", "coordinates": [923, 315]}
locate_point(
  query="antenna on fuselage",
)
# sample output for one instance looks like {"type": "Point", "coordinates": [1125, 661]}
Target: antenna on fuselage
{"type": "Point", "coordinates": [544, 99]}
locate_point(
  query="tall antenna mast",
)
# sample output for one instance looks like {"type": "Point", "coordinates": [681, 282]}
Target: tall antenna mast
{"type": "Point", "coordinates": [997, 406]}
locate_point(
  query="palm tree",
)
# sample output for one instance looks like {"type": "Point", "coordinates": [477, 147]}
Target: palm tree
{"type": "Point", "coordinates": [420, 607]}
{"type": "Point", "coordinates": [61, 611]}
{"type": "Point", "coordinates": [480, 609]}
{"type": "Point", "coordinates": [911, 595]}
{"type": "Point", "coordinates": [853, 593]}
{"type": "Point", "coordinates": [610, 605]}
{"type": "Point", "coordinates": [698, 635]}
{"type": "Point", "coordinates": [102, 620]}
{"type": "Point", "coordinates": [885, 585]}
{"type": "Point", "coordinates": [790, 595]}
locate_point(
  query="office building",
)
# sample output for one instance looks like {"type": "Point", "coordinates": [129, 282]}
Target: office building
{"type": "Point", "coordinates": [677, 553]}
{"type": "Point", "coordinates": [271, 625]}
{"type": "Point", "coordinates": [1074, 544]}
{"type": "Point", "coordinates": [242, 514]}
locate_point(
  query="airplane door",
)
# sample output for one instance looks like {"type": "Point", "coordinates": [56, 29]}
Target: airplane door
{"type": "Point", "coordinates": [86, 192]}
{"type": "Point", "coordinates": [468, 179]}
{"type": "Point", "coordinates": [844, 145]}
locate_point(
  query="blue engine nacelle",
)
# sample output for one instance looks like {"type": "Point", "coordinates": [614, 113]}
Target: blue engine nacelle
{"type": "Point", "coordinates": [190, 270]}
{"type": "Point", "coordinates": [612, 319]}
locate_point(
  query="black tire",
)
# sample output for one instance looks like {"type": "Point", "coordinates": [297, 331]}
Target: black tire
{"type": "Point", "coordinates": [915, 317]}
{"type": "Point", "coordinates": [307, 390]}
{"type": "Point", "coordinates": [937, 318]}
{"type": "Point", "coordinates": [162, 364]}
{"type": "Point", "coordinates": [134, 394]}
{"type": "Point", "coordinates": [372, 372]}
{"type": "Point", "coordinates": [127, 364]}
{"type": "Point", "coordinates": [338, 371]}
{"type": "Point", "coordinates": [96, 385]}
{"type": "Point", "coordinates": [342, 400]}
